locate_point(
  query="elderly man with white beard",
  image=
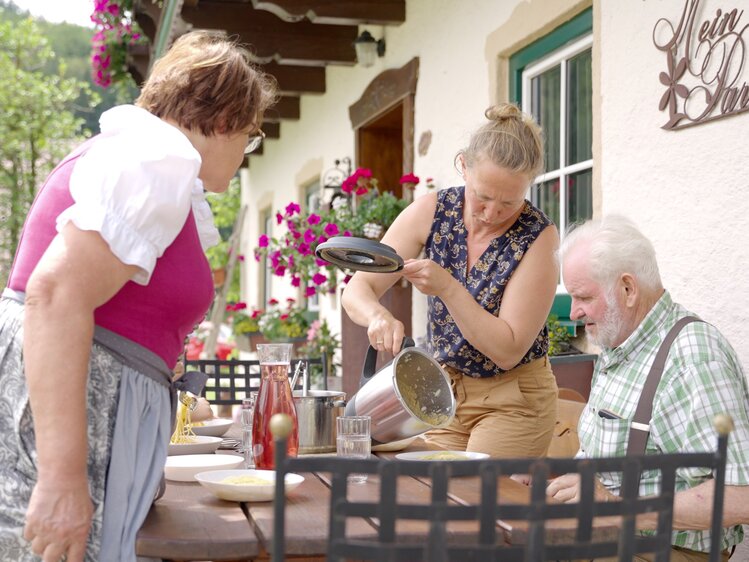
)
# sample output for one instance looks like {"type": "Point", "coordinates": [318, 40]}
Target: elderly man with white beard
{"type": "Point", "coordinates": [610, 271]}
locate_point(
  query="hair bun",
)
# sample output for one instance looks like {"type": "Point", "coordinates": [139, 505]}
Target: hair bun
{"type": "Point", "coordinates": [503, 111]}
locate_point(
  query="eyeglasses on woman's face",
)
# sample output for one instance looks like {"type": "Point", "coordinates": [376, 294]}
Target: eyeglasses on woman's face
{"type": "Point", "coordinates": [254, 141]}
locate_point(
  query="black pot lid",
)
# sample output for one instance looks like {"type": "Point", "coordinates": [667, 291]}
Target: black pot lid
{"type": "Point", "coordinates": [359, 254]}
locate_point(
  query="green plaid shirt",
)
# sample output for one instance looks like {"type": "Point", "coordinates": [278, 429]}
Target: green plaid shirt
{"type": "Point", "coordinates": [702, 377]}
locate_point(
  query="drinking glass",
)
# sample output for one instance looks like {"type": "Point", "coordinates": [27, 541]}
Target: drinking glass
{"type": "Point", "coordinates": [353, 441]}
{"type": "Point", "coordinates": [248, 411]}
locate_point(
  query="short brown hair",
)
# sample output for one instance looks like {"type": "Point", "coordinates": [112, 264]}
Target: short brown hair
{"type": "Point", "coordinates": [511, 139]}
{"type": "Point", "coordinates": [206, 83]}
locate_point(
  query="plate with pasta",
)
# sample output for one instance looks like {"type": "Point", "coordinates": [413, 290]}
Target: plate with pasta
{"type": "Point", "coordinates": [441, 456]}
{"type": "Point", "coordinates": [195, 445]}
{"type": "Point", "coordinates": [215, 427]}
{"type": "Point", "coordinates": [250, 485]}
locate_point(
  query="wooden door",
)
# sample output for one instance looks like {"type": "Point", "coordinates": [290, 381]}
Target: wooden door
{"type": "Point", "coordinates": [383, 121]}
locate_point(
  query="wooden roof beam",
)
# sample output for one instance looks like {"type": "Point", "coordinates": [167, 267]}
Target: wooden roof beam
{"type": "Point", "coordinates": [337, 12]}
{"type": "Point", "coordinates": [272, 130]}
{"type": "Point", "coordinates": [295, 80]}
{"type": "Point", "coordinates": [288, 107]}
{"type": "Point", "coordinates": [271, 39]}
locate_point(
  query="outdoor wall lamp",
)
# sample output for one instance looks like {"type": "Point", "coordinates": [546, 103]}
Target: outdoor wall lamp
{"type": "Point", "coordinates": [333, 178]}
{"type": "Point", "coordinates": [368, 48]}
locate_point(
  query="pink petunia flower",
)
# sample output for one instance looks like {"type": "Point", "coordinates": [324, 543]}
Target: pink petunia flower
{"type": "Point", "coordinates": [292, 209]}
{"type": "Point", "coordinates": [409, 178]}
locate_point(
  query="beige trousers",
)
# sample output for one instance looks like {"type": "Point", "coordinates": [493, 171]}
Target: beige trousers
{"type": "Point", "coordinates": [509, 415]}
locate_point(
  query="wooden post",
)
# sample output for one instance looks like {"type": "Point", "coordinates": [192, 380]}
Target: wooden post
{"type": "Point", "coordinates": [219, 303]}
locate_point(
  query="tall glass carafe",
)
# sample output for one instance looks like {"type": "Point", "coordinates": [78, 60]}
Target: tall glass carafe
{"type": "Point", "coordinates": [274, 397]}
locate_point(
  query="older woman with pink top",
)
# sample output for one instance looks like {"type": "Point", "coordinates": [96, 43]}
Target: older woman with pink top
{"type": "Point", "coordinates": [109, 277]}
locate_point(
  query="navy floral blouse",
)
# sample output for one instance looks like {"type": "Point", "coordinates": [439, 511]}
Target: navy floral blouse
{"type": "Point", "coordinates": [447, 246]}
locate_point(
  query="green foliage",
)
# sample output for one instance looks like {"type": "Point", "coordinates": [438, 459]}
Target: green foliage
{"type": "Point", "coordinates": [71, 45]}
{"type": "Point", "coordinates": [380, 209]}
{"type": "Point", "coordinates": [320, 339]}
{"type": "Point", "coordinates": [243, 323]}
{"type": "Point", "coordinates": [225, 207]}
{"type": "Point", "coordinates": [37, 127]}
{"type": "Point", "coordinates": [559, 337]}
{"type": "Point", "coordinates": [283, 324]}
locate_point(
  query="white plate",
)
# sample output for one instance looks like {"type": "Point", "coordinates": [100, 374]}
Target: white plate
{"type": "Point", "coordinates": [184, 467]}
{"type": "Point", "coordinates": [212, 480]}
{"type": "Point", "coordinates": [393, 445]}
{"type": "Point", "coordinates": [215, 427]}
{"type": "Point", "coordinates": [435, 456]}
{"type": "Point", "coordinates": [202, 444]}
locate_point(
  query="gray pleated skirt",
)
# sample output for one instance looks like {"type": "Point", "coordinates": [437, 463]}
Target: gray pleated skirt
{"type": "Point", "coordinates": [129, 425]}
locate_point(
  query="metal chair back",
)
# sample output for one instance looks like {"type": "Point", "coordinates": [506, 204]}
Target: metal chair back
{"type": "Point", "coordinates": [622, 541]}
{"type": "Point", "coordinates": [232, 380]}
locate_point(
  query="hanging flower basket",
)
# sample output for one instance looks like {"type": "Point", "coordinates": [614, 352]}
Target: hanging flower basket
{"type": "Point", "coordinates": [115, 32]}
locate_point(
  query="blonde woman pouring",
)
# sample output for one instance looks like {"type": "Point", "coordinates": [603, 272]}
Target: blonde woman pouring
{"type": "Point", "coordinates": [490, 274]}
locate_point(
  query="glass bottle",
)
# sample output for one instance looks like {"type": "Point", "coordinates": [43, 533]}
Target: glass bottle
{"type": "Point", "coordinates": [273, 397]}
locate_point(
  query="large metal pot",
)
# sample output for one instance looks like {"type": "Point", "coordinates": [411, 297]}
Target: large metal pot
{"type": "Point", "coordinates": [317, 412]}
{"type": "Point", "coordinates": [408, 396]}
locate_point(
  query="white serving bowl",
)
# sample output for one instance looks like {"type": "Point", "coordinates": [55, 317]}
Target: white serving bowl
{"type": "Point", "coordinates": [183, 468]}
{"type": "Point", "coordinates": [202, 444]}
{"type": "Point", "coordinates": [215, 427]}
{"type": "Point", "coordinates": [435, 456]}
{"type": "Point", "coordinates": [212, 480]}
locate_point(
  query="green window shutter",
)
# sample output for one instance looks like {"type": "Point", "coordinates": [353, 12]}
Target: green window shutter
{"type": "Point", "coordinates": [568, 31]}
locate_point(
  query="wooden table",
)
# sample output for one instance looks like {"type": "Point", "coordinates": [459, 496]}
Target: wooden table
{"type": "Point", "coordinates": [190, 523]}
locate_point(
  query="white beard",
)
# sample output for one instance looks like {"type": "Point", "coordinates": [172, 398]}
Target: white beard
{"type": "Point", "coordinates": [609, 328]}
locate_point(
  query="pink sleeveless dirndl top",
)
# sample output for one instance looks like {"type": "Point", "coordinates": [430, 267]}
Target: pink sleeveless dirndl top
{"type": "Point", "coordinates": [157, 316]}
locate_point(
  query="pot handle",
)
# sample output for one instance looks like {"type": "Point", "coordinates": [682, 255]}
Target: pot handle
{"type": "Point", "coordinates": [370, 360]}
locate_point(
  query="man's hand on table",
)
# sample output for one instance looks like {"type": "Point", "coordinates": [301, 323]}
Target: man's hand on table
{"type": "Point", "coordinates": [566, 488]}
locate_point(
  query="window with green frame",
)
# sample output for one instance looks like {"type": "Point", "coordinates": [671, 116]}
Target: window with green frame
{"type": "Point", "coordinates": [552, 80]}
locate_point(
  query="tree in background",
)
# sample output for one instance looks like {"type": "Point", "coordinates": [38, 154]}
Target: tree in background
{"type": "Point", "coordinates": [72, 57]}
{"type": "Point", "coordinates": [37, 127]}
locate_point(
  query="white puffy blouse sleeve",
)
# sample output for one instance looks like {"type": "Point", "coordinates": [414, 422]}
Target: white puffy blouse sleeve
{"type": "Point", "coordinates": [136, 191]}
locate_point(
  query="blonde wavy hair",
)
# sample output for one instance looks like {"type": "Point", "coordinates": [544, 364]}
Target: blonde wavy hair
{"type": "Point", "coordinates": [511, 139]}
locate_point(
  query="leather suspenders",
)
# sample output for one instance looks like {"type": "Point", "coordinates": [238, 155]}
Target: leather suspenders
{"type": "Point", "coordinates": [639, 429]}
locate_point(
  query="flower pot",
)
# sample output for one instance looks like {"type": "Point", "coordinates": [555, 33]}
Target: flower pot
{"type": "Point", "coordinates": [219, 276]}
{"type": "Point", "coordinates": [255, 339]}
{"type": "Point", "coordinates": [296, 344]}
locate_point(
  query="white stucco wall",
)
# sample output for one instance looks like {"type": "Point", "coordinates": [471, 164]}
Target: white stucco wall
{"type": "Point", "coordinates": [685, 189]}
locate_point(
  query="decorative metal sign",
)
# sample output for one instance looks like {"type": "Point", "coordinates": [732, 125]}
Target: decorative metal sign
{"type": "Point", "coordinates": [705, 80]}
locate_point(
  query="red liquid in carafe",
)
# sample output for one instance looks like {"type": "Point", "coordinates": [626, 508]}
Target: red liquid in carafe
{"type": "Point", "coordinates": [274, 397]}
